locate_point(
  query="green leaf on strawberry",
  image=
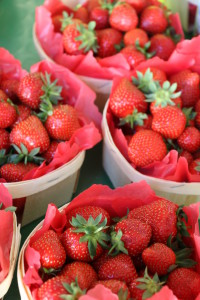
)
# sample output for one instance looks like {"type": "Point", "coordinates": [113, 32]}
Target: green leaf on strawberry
{"type": "Point", "coordinates": [136, 118]}
{"type": "Point", "coordinates": [3, 157]}
{"type": "Point", "coordinates": [87, 37]}
{"type": "Point", "coordinates": [144, 50]}
{"type": "Point", "coordinates": [66, 20]}
{"type": "Point", "coordinates": [52, 91]}
{"type": "Point", "coordinates": [74, 291]}
{"type": "Point", "coordinates": [23, 155]}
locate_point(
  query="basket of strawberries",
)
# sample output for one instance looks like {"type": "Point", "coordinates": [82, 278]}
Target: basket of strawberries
{"type": "Point", "coordinates": [151, 126]}
{"type": "Point", "coordinates": [99, 40]}
{"type": "Point", "coordinates": [125, 243]}
{"type": "Point", "coordinates": [9, 240]}
{"type": "Point", "coordinates": [47, 121]}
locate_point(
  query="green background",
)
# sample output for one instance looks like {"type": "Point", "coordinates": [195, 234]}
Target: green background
{"type": "Point", "coordinates": [16, 22]}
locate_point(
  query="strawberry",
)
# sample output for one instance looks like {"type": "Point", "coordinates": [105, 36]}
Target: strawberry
{"type": "Point", "coordinates": [170, 121]}
{"type": "Point", "coordinates": [91, 4]}
{"type": "Point", "coordinates": [133, 56]}
{"type": "Point", "coordinates": [23, 112]}
{"type": "Point", "coordinates": [138, 263]}
{"type": "Point", "coordinates": [3, 96]}
{"type": "Point", "coordinates": [8, 113]}
{"type": "Point", "coordinates": [4, 139]}
{"type": "Point", "coordinates": [194, 167]}
{"type": "Point", "coordinates": [189, 140]}
{"type": "Point", "coordinates": [146, 124]}
{"type": "Point", "coordinates": [197, 106]}
{"type": "Point", "coordinates": [116, 286]}
{"type": "Point", "coordinates": [49, 154]}
{"type": "Point", "coordinates": [134, 35]}
{"type": "Point", "coordinates": [123, 17]}
{"type": "Point", "coordinates": [100, 16]}
{"type": "Point", "coordinates": [158, 75]}
{"type": "Point", "coordinates": [15, 172]}
{"type": "Point", "coordinates": [52, 253]}
{"type": "Point", "coordinates": [130, 236]}
{"type": "Point", "coordinates": [107, 40]}
{"type": "Point", "coordinates": [100, 260]}
{"type": "Point", "coordinates": [125, 98]}
{"type": "Point", "coordinates": [197, 120]}
{"type": "Point", "coordinates": [84, 273]}
{"type": "Point", "coordinates": [10, 87]}
{"type": "Point", "coordinates": [153, 20]}
{"type": "Point", "coordinates": [139, 5]}
{"type": "Point", "coordinates": [158, 258]}
{"type": "Point", "coordinates": [119, 267]}
{"type": "Point", "coordinates": [162, 45]}
{"type": "Point", "coordinates": [184, 283]}
{"type": "Point", "coordinates": [57, 22]}
{"type": "Point", "coordinates": [82, 14]}
{"type": "Point", "coordinates": [146, 147]}
{"type": "Point", "coordinates": [62, 123]}
{"type": "Point", "coordinates": [188, 84]}
{"type": "Point", "coordinates": [161, 216]}
{"type": "Point", "coordinates": [86, 212]}
{"type": "Point", "coordinates": [188, 156]}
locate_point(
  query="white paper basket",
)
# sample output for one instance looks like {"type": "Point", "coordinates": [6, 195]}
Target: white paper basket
{"type": "Point", "coordinates": [121, 173]}
{"type": "Point", "coordinates": [4, 286]}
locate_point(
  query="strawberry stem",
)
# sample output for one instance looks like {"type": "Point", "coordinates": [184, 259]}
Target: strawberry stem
{"type": "Point", "coordinates": [136, 118]}
{"type": "Point", "coordinates": [66, 20]}
{"type": "Point", "coordinates": [145, 49]}
{"type": "Point", "coordinates": [87, 37]}
{"type": "Point", "coordinates": [73, 289]}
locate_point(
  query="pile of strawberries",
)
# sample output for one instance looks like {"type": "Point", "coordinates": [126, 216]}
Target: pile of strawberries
{"type": "Point", "coordinates": [157, 114]}
{"type": "Point", "coordinates": [33, 121]}
{"type": "Point", "coordinates": [134, 256]}
{"type": "Point", "coordinates": [139, 29]}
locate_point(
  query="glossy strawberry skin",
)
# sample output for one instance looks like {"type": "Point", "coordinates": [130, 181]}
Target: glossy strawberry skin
{"type": "Point", "coordinates": [134, 35]}
{"type": "Point", "coordinates": [4, 139]}
{"type": "Point", "coordinates": [8, 114]}
{"type": "Point", "coordinates": [146, 147]}
{"type": "Point", "coordinates": [31, 133]}
{"type": "Point", "coordinates": [153, 20]}
{"type": "Point", "coordinates": [138, 5]}
{"type": "Point", "coordinates": [101, 17]}
{"type": "Point", "coordinates": [162, 45]}
{"type": "Point", "coordinates": [10, 87]}
{"type": "Point", "coordinates": [15, 172]}
{"type": "Point", "coordinates": [49, 154]}
{"type": "Point", "coordinates": [125, 98]}
{"type": "Point", "coordinates": [52, 253]}
{"type": "Point", "coordinates": [189, 140]}
{"type": "Point", "coordinates": [62, 123]}
{"type": "Point", "coordinates": [123, 17]}
{"type": "Point", "coordinates": [107, 39]}
{"type": "Point", "coordinates": [115, 286]}
{"type": "Point", "coordinates": [23, 113]}
{"type": "Point", "coordinates": [133, 56]}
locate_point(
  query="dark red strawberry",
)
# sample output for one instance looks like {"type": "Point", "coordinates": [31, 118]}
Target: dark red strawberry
{"type": "Point", "coordinates": [134, 35]}
{"type": "Point", "coordinates": [100, 260]}
{"type": "Point", "coordinates": [15, 172]}
{"type": "Point", "coordinates": [57, 22]}
{"type": "Point", "coordinates": [197, 106]}
{"type": "Point", "coordinates": [189, 140]}
{"type": "Point", "coordinates": [4, 139]}
{"type": "Point", "coordinates": [107, 40]}
{"type": "Point", "coordinates": [153, 20]}
{"type": "Point", "coordinates": [100, 16]}
{"type": "Point", "coordinates": [10, 87]}
{"type": "Point", "coordinates": [8, 114]}
{"type": "Point", "coordinates": [49, 154]}
{"type": "Point", "coordinates": [162, 45]}
{"type": "Point", "coordinates": [116, 286]}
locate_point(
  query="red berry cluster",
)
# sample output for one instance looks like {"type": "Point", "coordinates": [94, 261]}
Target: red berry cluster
{"type": "Point", "coordinates": [32, 123]}
{"type": "Point", "coordinates": [133, 256]}
{"type": "Point", "coordinates": [139, 29]}
{"type": "Point", "coordinates": [159, 113]}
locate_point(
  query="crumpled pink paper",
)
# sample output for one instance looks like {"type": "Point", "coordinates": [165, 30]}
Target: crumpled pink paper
{"type": "Point", "coordinates": [6, 236]}
{"type": "Point", "coordinates": [85, 65]}
{"type": "Point", "coordinates": [116, 202]}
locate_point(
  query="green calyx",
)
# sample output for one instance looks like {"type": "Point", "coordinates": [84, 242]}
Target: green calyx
{"type": "Point", "coordinates": [144, 50]}
{"type": "Point", "coordinates": [94, 232]}
{"type": "Point", "coordinates": [170, 32]}
{"type": "Point", "coordinates": [189, 113]}
{"type": "Point", "coordinates": [74, 291]}
{"type": "Point", "coordinates": [66, 20]}
{"type": "Point", "coordinates": [136, 118]}
{"type": "Point", "coordinates": [197, 168]}
{"type": "Point", "coordinates": [122, 294]}
{"type": "Point", "coordinates": [3, 157]}
{"type": "Point", "coordinates": [150, 285]}
{"type": "Point", "coordinates": [117, 243]}
{"type": "Point", "coordinates": [87, 37]}
{"type": "Point", "coordinates": [142, 81]}
{"type": "Point", "coordinates": [13, 105]}
{"type": "Point", "coordinates": [109, 6]}
{"type": "Point", "coordinates": [9, 208]}
{"type": "Point", "coordinates": [23, 155]}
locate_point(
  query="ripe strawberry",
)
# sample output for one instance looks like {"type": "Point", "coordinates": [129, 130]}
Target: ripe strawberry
{"type": "Point", "coordinates": [119, 267]}
{"type": "Point", "coordinates": [52, 253]}
{"type": "Point", "coordinates": [116, 286]}
{"type": "Point", "coordinates": [162, 45]}
{"type": "Point", "coordinates": [190, 139]}
{"type": "Point", "coordinates": [8, 114]}
{"type": "Point", "coordinates": [100, 16]}
{"type": "Point", "coordinates": [15, 172]}
{"type": "Point", "coordinates": [153, 20]}
{"type": "Point", "coordinates": [23, 112]}
{"type": "Point", "coordinates": [139, 264]}
{"type": "Point", "coordinates": [62, 123]}
{"type": "Point", "coordinates": [123, 17]}
{"type": "Point", "coordinates": [139, 5]}
{"type": "Point", "coordinates": [10, 87]}
{"type": "Point", "coordinates": [146, 124]}
{"type": "Point", "coordinates": [188, 156]}
{"type": "Point", "coordinates": [170, 121]}
{"type": "Point", "coordinates": [194, 167]}
{"type": "Point", "coordinates": [197, 106]}
{"type": "Point", "coordinates": [86, 212]}
{"type": "Point", "coordinates": [133, 56]}
{"type": "Point", "coordinates": [31, 133]}
{"type": "Point", "coordinates": [100, 260]}
{"type": "Point", "coordinates": [91, 4]}
{"type": "Point", "coordinates": [134, 35]}
{"type": "Point", "coordinates": [49, 154]}
{"type": "Point", "coordinates": [4, 139]}
{"type": "Point", "coordinates": [158, 75]}
{"type": "Point", "coordinates": [57, 22]}
{"type": "Point", "coordinates": [184, 283]}
{"type": "Point", "coordinates": [84, 273]}
{"type": "Point", "coordinates": [197, 120]}
{"type": "Point", "coordinates": [3, 96]}
{"type": "Point", "coordinates": [107, 40]}
{"type": "Point", "coordinates": [174, 102]}
{"type": "Point", "coordinates": [125, 98]}
{"type": "Point", "coordinates": [188, 84]}
{"type": "Point", "coordinates": [158, 258]}
{"type": "Point", "coordinates": [146, 147]}
{"type": "Point", "coordinates": [161, 216]}
{"type": "Point", "coordinates": [130, 236]}
{"type": "Point", "coordinates": [82, 14]}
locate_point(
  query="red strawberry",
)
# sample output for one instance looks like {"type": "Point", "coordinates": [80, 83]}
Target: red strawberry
{"type": "Point", "coordinates": [4, 139]}
{"type": "Point", "coordinates": [49, 154]}
{"type": "Point", "coordinates": [57, 22]}
{"type": "Point", "coordinates": [146, 147]}
{"type": "Point", "coordinates": [8, 114]}
{"type": "Point", "coordinates": [170, 121]}
{"type": "Point", "coordinates": [194, 167]}
{"type": "Point", "coordinates": [158, 258]}
{"type": "Point", "coordinates": [84, 273]}
{"type": "Point", "coordinates": [123, 17]}
{"type": "Point", "coordinates": [31, 133]}
{"type": "Point", "coordinates": [139, 5]}
{"type": "Point", "coordinates": [100, 16]}
{"type": "Point", "coordinates": [197, 120]}
{"type": "Point", "coordinates": [155, 108]}
{"type": "Point", "coordinates": [190, 139]}
{"type": "Point", "coordinates": [153, 20]}
{"type": "Point", "coordinates": [134, 35]}
{"type": "Point", "coordinates": [125, 98]}
{"type": "Point", "coordinates": [130, 236]}
{"type": "Point", "coordinates": [197, 106]}
{"type": "Point", "coordinates": [161, 216]}
{"type": "Point", "coordinates": [52, 253]}
{"type": "Point", "coordinates": [146, 124]}
{"type": "Point", "coordinates": [82, 14]}
{"type": "Point", "coordinates": [158, 75]}
{"type": "Point", "coordinates": [139, 264]}
{"type": "Point", "coordinates": [86, 212]}
{"type": "Point", "coordinates": [100, 260]}
{"type": "Point", "coordinates": [10, 87]}
{"type": "Point", "coordinates": [133, 56]}
{"type": "Point", "coordinates": [119, 267]}
{"type": "Point", "coordinates": [188, 84]}
{"type": "Point", "coordinates": [188, 156]}
{"type": "Point", "coordinates": [15, 172]}
{"type": "Point", "coordinates": [3, 96]}
{"type": "Point", "coordinates": [23, 112]}
{"type": "Point", "coordinates": [162, 45]}
{"type": "Point", "coordinates": [91, 4]}
{"type": "Point", "coordinates": [184, 283]}
{"type": "Point", "coordinates": [62, 123]}
{"type": "Point", "coordinates": [115, 286]}
{"type": "Point", "coordinates": [107, 40]}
